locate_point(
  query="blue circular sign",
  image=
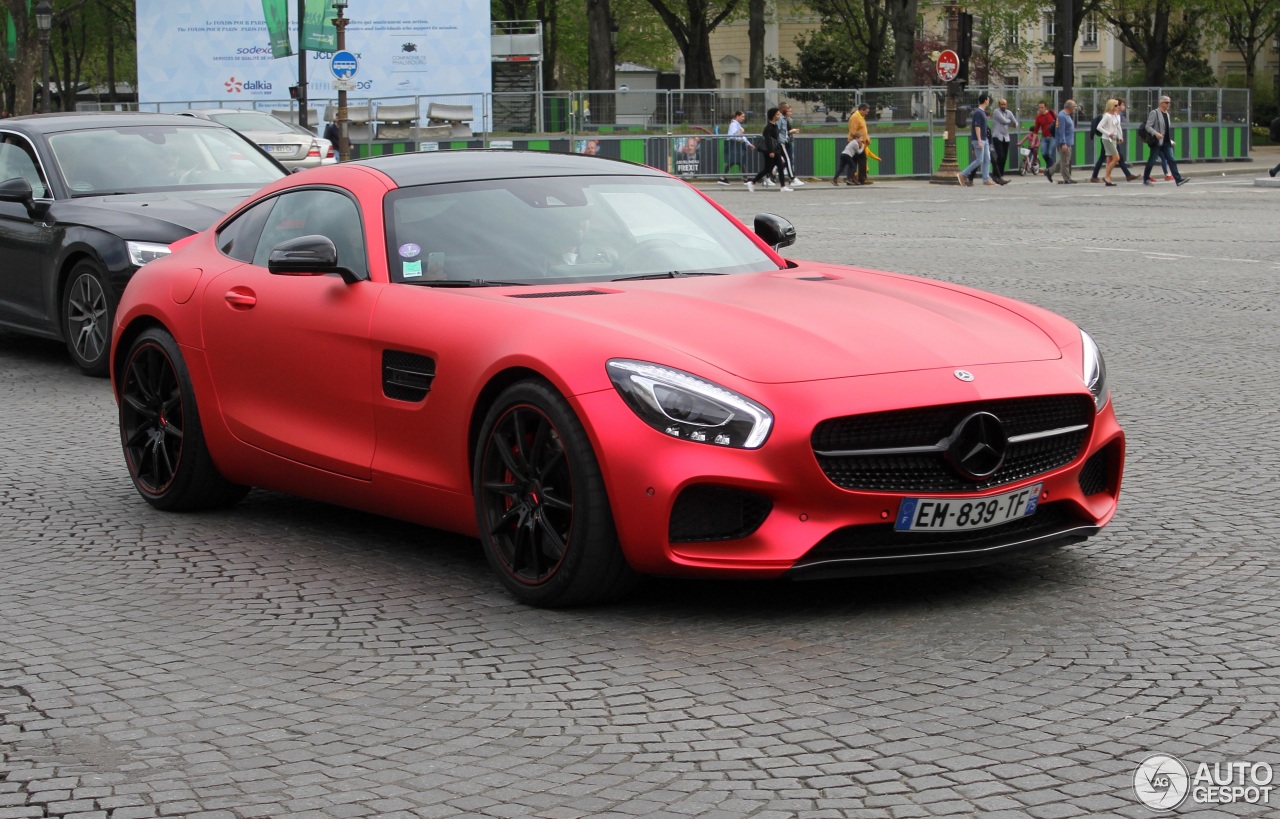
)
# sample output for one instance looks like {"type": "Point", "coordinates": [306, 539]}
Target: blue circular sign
{"type": "Point", "coordinates": [343, 65]}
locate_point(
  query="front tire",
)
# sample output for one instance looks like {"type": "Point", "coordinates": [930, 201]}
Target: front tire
{"type": "Point", "coordinates": [541, 504]}
{"type": "Point", "coordinates": [86, 318]}
{"type": "Point", "coordinates": [160, 430]}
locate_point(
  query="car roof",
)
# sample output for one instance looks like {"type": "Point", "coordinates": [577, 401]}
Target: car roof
{"type": "Point", "coordinates": [410, 169]}
{"type": "Point", "coordinates": [84, 120]}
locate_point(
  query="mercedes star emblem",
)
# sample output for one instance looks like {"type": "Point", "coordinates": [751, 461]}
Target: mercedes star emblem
{"type": "Point", "coordinates": [964, 375]}
{"type": "Point", "coordinates": [977, 447]}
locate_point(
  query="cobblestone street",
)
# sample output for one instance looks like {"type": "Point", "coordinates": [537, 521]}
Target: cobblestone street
{"type": "Point", "coordinates": [289, 658]}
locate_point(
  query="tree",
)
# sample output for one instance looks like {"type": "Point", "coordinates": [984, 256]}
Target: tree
{"type": "Point", "coordinates": [21, 70]}
{"type": "Point", "coordinates": [1064, 41]}
{"type": "Point", "coordinates": [1155, 29]}
{"type": "Point", "coordinates": [851, 42]}
{"type": "Point", "coordinates": [691, 23]}
{"type": "Point", "coordinates": [998, 46]}
{"type": "Point", "coordinates": [601, 60]}
{"type": "Point", "coordinates": [755, 39]}
{"type": "Point", "coordinates": [1248, 26]}
{"type": "Point", "coordinates": [902, 16]}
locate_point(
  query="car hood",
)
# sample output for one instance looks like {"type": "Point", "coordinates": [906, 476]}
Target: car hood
{"type": "Point", "coordinates": [152, 217]}
{"type": "Point", "coordinates": [810, 324]}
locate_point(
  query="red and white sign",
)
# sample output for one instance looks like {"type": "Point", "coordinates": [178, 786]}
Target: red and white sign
{"type": "Point", "coordinates": [948, 65]}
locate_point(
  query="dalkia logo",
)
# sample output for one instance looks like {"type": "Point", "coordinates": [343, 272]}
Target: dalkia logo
{"type": "Point", "coordinates": [233, 85]}
{"type": "Point", "coordinates": [257, 85]}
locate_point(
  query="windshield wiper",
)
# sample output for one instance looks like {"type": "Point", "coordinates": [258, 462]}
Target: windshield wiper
{"type": "Point", "coordinates": [466, 283]}
{"type": "Point", "coordinates": [670, 274]}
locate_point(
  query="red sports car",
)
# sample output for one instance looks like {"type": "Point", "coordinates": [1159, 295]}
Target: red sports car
{"type": "Point", "coordinates": [600, 373]}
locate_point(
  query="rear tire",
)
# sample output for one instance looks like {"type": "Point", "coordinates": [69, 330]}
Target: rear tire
{"type": "Point", "coordinates": [160, 430]}
{"type": "Point", "coordinates": [541, 504]}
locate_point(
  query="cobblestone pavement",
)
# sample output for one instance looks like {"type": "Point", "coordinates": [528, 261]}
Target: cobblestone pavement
{"type": "Point", "coordinates": [287, 658]}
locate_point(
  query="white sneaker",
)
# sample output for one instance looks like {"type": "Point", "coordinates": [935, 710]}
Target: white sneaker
{"type": "Point", "coordinates": [786, 189]}
{"type": "Point", "coordinates": [797, 183]}
{"type": "Point", "coordinates": [769, 183]}
{"type": "Point", "coordinates": [751, 188]}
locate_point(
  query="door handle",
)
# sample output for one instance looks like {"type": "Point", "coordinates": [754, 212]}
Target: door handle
{"type": "Point", "coordinates": [241, 298]}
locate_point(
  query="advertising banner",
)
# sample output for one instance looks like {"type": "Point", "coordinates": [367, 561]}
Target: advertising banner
{"type": "Point", "coordinates": [276, 16]}
{"type": "Point", "coordinates": [318, 31]}
{"type": "Point", "coordinates": [221, 51]}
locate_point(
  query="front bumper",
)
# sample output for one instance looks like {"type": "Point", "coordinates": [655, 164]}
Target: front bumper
{"type": "Point", "coordinates": [797, 521]}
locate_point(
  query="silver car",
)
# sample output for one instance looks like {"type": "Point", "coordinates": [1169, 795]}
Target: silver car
{"type": "Point", "coordinates": [292, 145]}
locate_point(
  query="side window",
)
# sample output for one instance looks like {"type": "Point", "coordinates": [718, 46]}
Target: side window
{"type": "Point", "coordinates": [239, 238]}
{"type": "Point", "coordinates": [310, 212]}
{"type": "Point", "coordinates": [18, 159]}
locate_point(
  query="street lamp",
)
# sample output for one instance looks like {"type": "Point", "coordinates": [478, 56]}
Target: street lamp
{"type": "Point", "coordinates": [344, 144]}
{"type": "Point", "coordinates": [44, 22]}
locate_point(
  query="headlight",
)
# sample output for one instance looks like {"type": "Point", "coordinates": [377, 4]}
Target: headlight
{"type": "Point", "coordinates": [142, 252]}
{"type": "Point", "coordinates": [1095, 371]}
{"type": "Point", "coordinates": [691, 408]}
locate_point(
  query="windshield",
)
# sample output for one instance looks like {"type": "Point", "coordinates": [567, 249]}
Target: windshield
{"type": "Point", "coordinates": [144, 158]}
{"type": "Point", "coordinates": [562, 229]}
{"type": "Point", "coordinates": [251, 121]}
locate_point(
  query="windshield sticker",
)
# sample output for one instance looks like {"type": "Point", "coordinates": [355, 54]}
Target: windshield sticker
{"type": "Point", "coordinates": [412, 270]}
{"type": "Point", "coordinates": [409, 250]}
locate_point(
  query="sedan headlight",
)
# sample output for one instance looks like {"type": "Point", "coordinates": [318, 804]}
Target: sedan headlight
{"type": "Point", "coordinates": [142, 252]}
{"type": "Point", "coordinates": [685, 406]}
{"type": "Point", "coordinates": [1095, 371]}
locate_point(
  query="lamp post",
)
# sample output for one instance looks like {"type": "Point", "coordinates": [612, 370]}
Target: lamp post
{"type": "Point", "coordinates": [947, 170]}
{"type": "Point", "coordinates": [44, 22]}
{"type": "Point", "coordinates": [344, 144]}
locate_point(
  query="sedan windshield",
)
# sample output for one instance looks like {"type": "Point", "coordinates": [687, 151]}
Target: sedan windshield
{"type": "Point", "coordinates": [562, 229]}
{"type": "Point", "coordinates": [144, 158]}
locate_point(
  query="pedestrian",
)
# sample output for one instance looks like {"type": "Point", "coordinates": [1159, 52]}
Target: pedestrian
{"type": "Point", "coordinates": [848, 158]}
{"type": "Point", "coordinates": [771, 147]}
{"type": "Point", "coordinates": [785, 132]}
{"type": "Point", "coordinates": [1002, 119]}
{"type": "Point", "coordinates": [980, 143]}
{"type": "Point", "coordinates": [332, 134]}
{"type": "Point", "coordinates": [1045, 124]}
{"type": "Point", "coordinates": [858, 133]}
{"type": "Point", "coordinates": [1129, 175]}
{"type": "Point", "coordinates": [1161, 129]}
{"type": "Point", "coordinates": [1112, 136]}
{"type": "Point", "coordinates": [1065, 137]}
{"type": "Point", "coordinates": [735, 147]}
{"type": "Point", "coordinates": [1275, 140]}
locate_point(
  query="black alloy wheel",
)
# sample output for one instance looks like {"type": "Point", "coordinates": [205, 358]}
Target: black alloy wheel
{"type": "Point", "coordinates": [541, 505]}
{"type": "Point", "coordinates": [86, 318]}
{"type": "Point", "coordinates": [164, 446]}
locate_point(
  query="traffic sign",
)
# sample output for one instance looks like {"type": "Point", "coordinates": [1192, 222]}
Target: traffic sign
{"type": "Point", "coordinates": [948, 65]}
{"type": "Point", "coordinates": [343, 65]}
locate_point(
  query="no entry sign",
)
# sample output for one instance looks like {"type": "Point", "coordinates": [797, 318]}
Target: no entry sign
{"type": "Point", "coordinates": [948, 65]}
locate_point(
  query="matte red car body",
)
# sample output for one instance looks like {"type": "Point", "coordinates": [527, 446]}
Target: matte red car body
{"type": "Point", "coordinates": [293, 400]}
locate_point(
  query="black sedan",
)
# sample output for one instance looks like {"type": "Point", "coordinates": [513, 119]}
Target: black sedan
{"type": "Point", "coordinates": [88, 198]}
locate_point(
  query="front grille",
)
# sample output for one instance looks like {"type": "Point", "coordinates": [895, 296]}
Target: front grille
{"type": "Point", "coordinates": [1093, 476]}
{"type": "Point", "coordinates": [882, 541]}
{"type": "Point", "coordinates": [927, 426]}
{"type": "Point", "coordinates": [703, 513]}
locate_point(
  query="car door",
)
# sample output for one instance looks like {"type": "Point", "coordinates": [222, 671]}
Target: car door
{"type": "Point", "coordinates": [290, 355]}
{"type": "Point", "coordinates": [26, 243]}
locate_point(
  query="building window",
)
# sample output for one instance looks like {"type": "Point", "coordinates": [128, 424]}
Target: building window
{"type": "Point", "coordinates": [1050, 28]}
{"type": "Point", "coordinates": [1010, 82]}
{"type": "Point", "coordinates": [1089, 32]}
{"type": "Point", "coordinates": [1012, 36]}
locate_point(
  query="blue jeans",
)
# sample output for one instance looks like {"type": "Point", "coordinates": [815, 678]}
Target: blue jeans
{"type": "Point", "coordinates": [983, 159]}
{"type": "Point", "coordinates": [1164, 151]}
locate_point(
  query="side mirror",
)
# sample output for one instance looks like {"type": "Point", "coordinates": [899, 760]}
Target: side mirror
{"type": "Point", "coordinates": [19, 189]}
{"type": "Point", "coordinates": [308, 256]}
{"type": "Point", "coordinates": [775, 231]}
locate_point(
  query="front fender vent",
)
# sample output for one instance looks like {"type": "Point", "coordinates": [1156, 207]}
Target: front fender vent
{"type": "Point", "coordinates": [556, 294]}
{"type": "Point", "coordinates": [406, 376]}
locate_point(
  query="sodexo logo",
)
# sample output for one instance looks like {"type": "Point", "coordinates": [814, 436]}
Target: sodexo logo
{"type": "Point", "coordinates": [255, 50]}
{"type": "Point", "coordinates": [1161, 782]}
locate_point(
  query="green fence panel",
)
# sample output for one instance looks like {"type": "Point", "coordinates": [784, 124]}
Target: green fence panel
{"type": "Point", "coordinates": [826, 153]}
{"type": "Point", "coordinates": [904, 156]}
{"type": "Point", "coordinates": [633, 150]}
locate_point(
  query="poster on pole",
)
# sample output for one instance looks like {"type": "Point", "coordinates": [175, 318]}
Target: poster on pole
{"type": "Point", "coordinates": [220, 52]}
{"type": "Point", "coordinates": [275, 15]}
{"type": "Point", "coordinates": [318, 30]}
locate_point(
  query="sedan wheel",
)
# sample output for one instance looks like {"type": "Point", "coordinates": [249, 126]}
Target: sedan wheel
{"type": "Point", "coordinates": [160, 430]}
{"type": "Point", "coordinates": [86, 316]}
{"type": "Point", "coordinates": [543, 513]}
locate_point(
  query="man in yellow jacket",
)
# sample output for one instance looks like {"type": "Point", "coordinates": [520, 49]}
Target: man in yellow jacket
{"type": "Point", "coordinates": [858, 131]}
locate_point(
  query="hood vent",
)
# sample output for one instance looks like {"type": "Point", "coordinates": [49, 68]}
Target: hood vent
{"type": "Point", "coordinates": [555, 294]}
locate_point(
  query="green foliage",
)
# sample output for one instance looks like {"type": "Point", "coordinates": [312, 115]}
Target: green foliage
{"type": "Point", "coordinates": [824, 61]}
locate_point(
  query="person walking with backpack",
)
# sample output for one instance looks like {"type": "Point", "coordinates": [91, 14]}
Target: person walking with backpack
{"type": "Point", "coordinates": [1065, 137]}
{"type": "Point", "coordinates": [1160, 128]}
{"type": "Point", "coordinates": [1045, 124]}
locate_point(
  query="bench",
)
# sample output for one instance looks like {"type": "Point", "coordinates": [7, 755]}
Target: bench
{"type": "Point", "coordinates": [455, 118]}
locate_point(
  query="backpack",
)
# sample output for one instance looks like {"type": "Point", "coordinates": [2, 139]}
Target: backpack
{"type": "Point", "coordinates": [1053, 126]}
{"type": "Point", "coordinates": [1093, 127]}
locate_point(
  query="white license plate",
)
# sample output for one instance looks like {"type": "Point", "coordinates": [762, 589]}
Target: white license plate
{"type": "Point", "coordinates": [279, 149]}
{"type": "Point", "coordinates": [960, 514]}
